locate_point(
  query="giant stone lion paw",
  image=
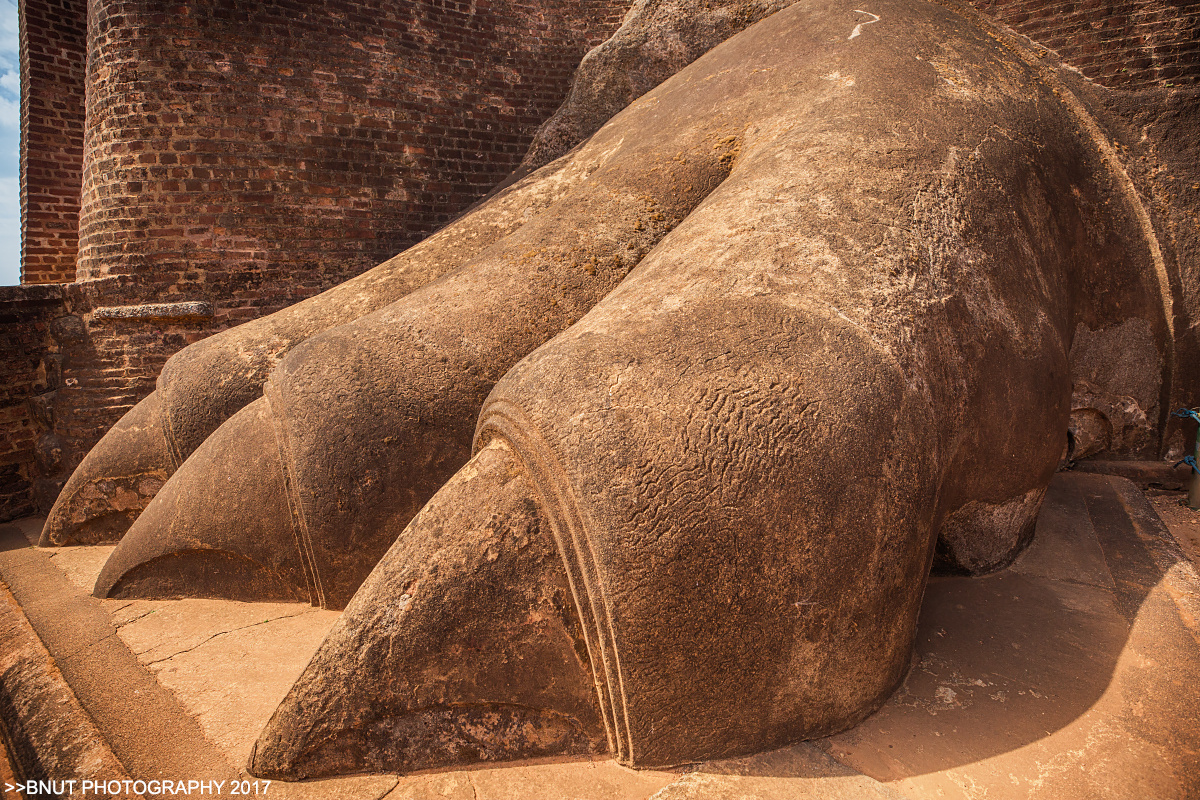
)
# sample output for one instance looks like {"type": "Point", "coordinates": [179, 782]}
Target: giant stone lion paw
{"type": "Point", "coordinates": [651, 452]}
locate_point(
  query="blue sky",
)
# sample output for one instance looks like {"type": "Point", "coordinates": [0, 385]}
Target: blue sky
{"type": "Point", "coordinates": [10, 146]}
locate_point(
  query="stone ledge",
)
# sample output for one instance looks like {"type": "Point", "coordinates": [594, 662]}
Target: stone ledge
{"type": "Point", "coordinates": [1159, 474]}
{"type": "Point", "coordinates": [124, 706]}
{"type": "Point", "coordinates": [45, 730]}
{"type": "Point", "coordinates": [31, 293]}
{"type": "Point", "coordinates": [193, 310]}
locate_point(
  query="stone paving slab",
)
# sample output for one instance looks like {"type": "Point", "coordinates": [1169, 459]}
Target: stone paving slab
{"type": "Point", "coordinates": [800, 772]}
{"type": "Point", "coordinates": [1075, 673]}
{"type": "Point", "coordinates": [217, 670]}
{"type": "Point", "coordinates": [139, 720]}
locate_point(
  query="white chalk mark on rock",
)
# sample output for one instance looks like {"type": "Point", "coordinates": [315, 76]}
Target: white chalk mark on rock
{"type": "Point", "coordinates": [844, 81]}
{"type": "Point", "coordinates": [858, 28]}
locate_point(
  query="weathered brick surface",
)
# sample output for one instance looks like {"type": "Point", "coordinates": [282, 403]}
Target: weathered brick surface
{"type": "Point", "coordinates": [256, 153]}
{"type": "Point", "coordinates": [1120, 44]}
{"type": "Point", "coordinates": [28, 370]}
{"type": "Point", "coordinates": [53, 41]}
{"type": "Point", "coordinates": [113, 363]}
{"type": "Point", "coordinates": [79, 372]}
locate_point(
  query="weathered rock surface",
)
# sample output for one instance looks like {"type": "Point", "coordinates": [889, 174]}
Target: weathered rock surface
{"type": "Point", "coordinates": [248, 552]}
{"type": "Point", "coordinates": [205, 384]}
{"type": "Point", "coordinates": [1116, 399]}
{"type": "Point", "coordinates": [657, 39]}
{"type": "Point", "coordinates": [116, 481]}
{"type": "Point", "coordinates": [464, 643]}
{"type": "Point", "coordinates": [405, 384]}
{"type": "Point", "coordinates": [791, 327]}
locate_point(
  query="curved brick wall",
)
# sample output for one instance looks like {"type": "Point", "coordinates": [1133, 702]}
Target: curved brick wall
{"type": "Point", "coordinates": [1121, 44]}
{"type": "Point", "coordinates": [255, 153]}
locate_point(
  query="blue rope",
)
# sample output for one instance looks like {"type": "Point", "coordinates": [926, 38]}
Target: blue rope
{"type": "Point", "coordinates": [1186, 412]}
{"type": "Point", "coordinates": [1190, 461]}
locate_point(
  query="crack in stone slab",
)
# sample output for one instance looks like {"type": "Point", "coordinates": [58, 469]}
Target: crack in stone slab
{"type": "Point", "coordinates": [119, 625]}
{"type": "Point", "coordinates": [220, 633]}
{"type": "Point", "coordinates": [80, 650]}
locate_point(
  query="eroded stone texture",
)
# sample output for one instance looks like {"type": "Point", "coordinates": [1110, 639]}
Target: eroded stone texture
{"type": "Point", "coordinates": [244, 502]}
{"type": "Point", "coordinates": [205, 384]}
{"type": "Point", "coordinates": [1141, 45]}
{"type": "Point", "coordinates": [746, 450]}
{"type": "Point", "coordinates": [250, 157]}
{"type": "Point", "coordinates": [657, 39]}
{"type": "Point", "coordinates": [406, 383]}
{"type": "Point", "coordinates": [981, 537]}
{"type": "Point", "coordinates": [1116, 400]}
{"type": "Point", "coordinates": [1103, 421]}
{"type": "Point", "coordinates": [115, 483]}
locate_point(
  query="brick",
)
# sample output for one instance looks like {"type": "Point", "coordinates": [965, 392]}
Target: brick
{"type": "Point", "coordinates": [54, 35]}
{"type": "Point", "coordinates": [1121, 44]}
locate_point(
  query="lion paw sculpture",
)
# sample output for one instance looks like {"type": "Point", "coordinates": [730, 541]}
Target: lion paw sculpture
{"type": "Point", "coordinates": [651, 452]}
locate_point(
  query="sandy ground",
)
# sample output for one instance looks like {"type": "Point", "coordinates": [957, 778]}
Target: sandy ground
{"type": "Point", "coordinates": [1183, 522]}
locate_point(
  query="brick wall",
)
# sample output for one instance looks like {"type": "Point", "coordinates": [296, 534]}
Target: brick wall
{"type": "Point", "coordinates": [1121, 44]}
{"type": "Point", "coordinates": [29, 368]}
{"type": "Point", "coordinates": [252, 154]}
{"type": "Point", "coordinates": [53, 42]}
{"type": "Point", "coordinates": [256, 153]}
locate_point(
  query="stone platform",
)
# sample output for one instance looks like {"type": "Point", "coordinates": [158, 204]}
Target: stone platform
{"type": "Point", "coordinates": [1075, 673]}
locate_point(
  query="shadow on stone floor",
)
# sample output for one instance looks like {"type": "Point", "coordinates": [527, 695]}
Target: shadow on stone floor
{"type": "Point", "coordinates": [1071, 672]}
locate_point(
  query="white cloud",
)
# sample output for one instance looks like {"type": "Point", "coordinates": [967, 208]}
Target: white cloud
{"type": "Point", "coordinates": [10, 231]}
{"type": "Point", "coordinates": [9, 32]}
{"type": "Point", "coordinates": [10, 81]}
{"type": "Point", "coordinates": [10, 113]}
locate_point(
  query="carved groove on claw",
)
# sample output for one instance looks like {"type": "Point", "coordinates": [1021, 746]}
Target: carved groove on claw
{"type": "Point", "coordinates": [219, 527]}
{"type": "Point", "coordinates": [506, 422]}
{"type": "Point", "coordinates": [463, 645]}
{"type": "Point", "coordinates": [405, 383]}
{"type": "Point", "coordinates": [299, 526]}
{"type": "Point", "coordinates": [707, 490]}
